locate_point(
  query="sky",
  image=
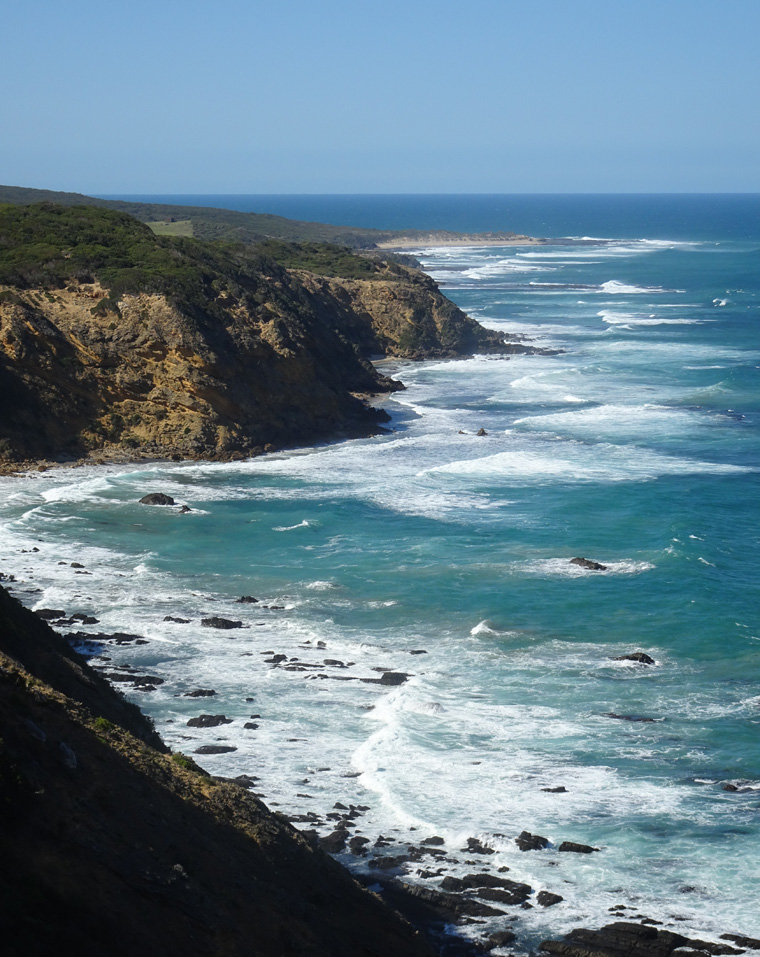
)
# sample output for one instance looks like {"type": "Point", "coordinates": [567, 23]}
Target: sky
{"type": "Point", "coordinates": [398, 96]}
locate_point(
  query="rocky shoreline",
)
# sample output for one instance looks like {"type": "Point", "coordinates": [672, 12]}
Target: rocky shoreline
{"type": "Point", "coordinates": [413, 878]}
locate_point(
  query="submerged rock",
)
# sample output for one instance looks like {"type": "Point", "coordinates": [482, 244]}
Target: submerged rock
{"type": "Point", "coordinates": [572, 847]}
{"type": "Point", "coordinates": [642, 657]}
{"type": "Point", "coordinates": [224, 623]}
{"type": "Point", "coordinates": [208, 721]}
{"type": "Point", "coordinates": [588, 563]}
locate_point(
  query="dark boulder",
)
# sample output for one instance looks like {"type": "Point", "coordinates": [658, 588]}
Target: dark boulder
{"type": "Point", "coordinates": [547, 899]}
{"type": "Point", "coordinates": [640, 656]}
{"type": "Point", "coordinates": [558, 790]}
{"type": "Point", "coordinates": [247, 600]}
{"type": "Point", "coordinates": [531, 842]}
{"type": "Point", "coordinates": [587, 563]}
{"type": "Point", "coordinates": [224, 623]}
{"type": "Point", "coordinates": [334, 843]}
{"type": "Point", "coordinates": [481, 432]}
{"type": "Point", "coordinates": [515, 893]}
{"type": "Point", "coordinates": [572, 847]}
{"type": "Point", "coordinates": [157, 498]}
{"type": "Point", "coordinates": [500, 939]}
{"type": "Point", "coordinates": [177, 621]}
{"type": "Point", "coordinates": [215, 749]}
{"type": "Point", "coordinates": [199, 693]}
{"type": "Point", "coordinates": [50, 614]}
{"type": "Point", "coordinates": [208, 721]}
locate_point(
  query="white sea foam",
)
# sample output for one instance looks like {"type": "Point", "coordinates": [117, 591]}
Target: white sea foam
{"type": "Point", "coordinates": [289, 528]}
{"type": "Point", "coordinates": [563, 568]}
{"type": "Point", "coordinates": [577, 462]}
{"type": "Point", "coordinates": [628, 319]}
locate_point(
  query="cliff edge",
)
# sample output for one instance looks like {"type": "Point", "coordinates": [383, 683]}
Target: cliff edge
{"type": "Point", "coordinates": [112, 846]}
{"type": "Point", "coordinates": [115, 340]}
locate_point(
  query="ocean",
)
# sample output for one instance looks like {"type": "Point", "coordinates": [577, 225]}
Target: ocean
{"type": "Point", "coordinates": [423, 649]}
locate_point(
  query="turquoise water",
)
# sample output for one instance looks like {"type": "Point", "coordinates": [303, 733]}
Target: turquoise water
{"type": "Point", "coordinates": [635, 446]}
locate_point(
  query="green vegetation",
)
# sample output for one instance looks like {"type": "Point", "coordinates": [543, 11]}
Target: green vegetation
{"type": "Point", "coordinates": [183, 227]}
{"type": "Point", "coordinates": [209, 223]}
{"type": "Point", "coordinates": [187, 764]}
{"type": "Point", "coordinates": [325, 259]}
{"type": "Point", "coordinates": [50, 247]}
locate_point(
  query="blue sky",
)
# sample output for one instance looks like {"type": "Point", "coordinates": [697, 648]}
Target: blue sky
{"type": "Point", "coordinates": [299, 96]}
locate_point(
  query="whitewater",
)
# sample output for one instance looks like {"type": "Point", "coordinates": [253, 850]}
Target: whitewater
{"type": "Point", "coordinates": [422, 648]}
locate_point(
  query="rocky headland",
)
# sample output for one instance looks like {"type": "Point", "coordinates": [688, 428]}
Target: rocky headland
{"type": "Point", "coordinates": [117, 342]}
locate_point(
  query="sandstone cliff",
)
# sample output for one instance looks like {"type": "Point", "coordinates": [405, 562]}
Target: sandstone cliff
{"type": "Point", "coordinates": [115, 340]}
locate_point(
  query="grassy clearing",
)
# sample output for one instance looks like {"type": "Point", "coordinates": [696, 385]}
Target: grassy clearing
{"type": "Point", "coordinates": [183, 227]}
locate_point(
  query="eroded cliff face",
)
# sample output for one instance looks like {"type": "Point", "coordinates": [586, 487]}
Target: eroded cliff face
{"type": "Point", "coordinates": [114, 341]}
{"type": "Point", "coordinates": [150, 379]}
{"type": "Point", "coordinates": [401, 312]}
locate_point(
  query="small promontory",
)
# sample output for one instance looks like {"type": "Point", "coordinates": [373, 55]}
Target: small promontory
{"type": "Point", "coordinates": [116, 341]}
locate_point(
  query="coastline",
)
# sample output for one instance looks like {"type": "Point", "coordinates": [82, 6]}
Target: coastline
{"type": "Point", "coordinates": [436, 239]}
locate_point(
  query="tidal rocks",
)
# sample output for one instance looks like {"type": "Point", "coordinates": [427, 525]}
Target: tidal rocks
{"type": "Point", "coordinates": [623, 939]}
{"type": "Point", "coordinates": [247, 600]}
{"type": "Point", "coordinates": [515, 893]}
{"type": "Point", "coordinates": [157, 498]}
{"type": "Point", "coordinates": [573, 848]}
{"type": "Point", "coordinates": [199, 693]}
{"type": "Point", "coordinates": [334, 843]}
{"type": "Point", "coordinates": [50, 614]}
{"type": "Point", "coordinates": [177, 621]}
{"type": "Point", "coordinates": [642, 657]}
{"type": "Point", "coordinates": [628, 717]}
{"type": "Point", "coordinates": [481, 432]}
{"type": "Point", "coordinates": [547, 899]}
{"type": "Point", "coordinates": [208, 721]}
{"type": "Point", "coordinates": [531, 842]}
{"type": "Point", "coordinates": [474, 846]}
{"type": "Point", "coordinates": [225, 624]}
{"type": "Point", "coordinates": [589, 564]}
{"type": "Point", "coordinates": [500, 939]}
{"type": "Point", "coordinates": [215, 749]}
{"type": "Point", "coordinates": [423, 904]}
{"type": "Point", "coordinates": [558, 790]}
{"type": "Point", "coordinates": [391, 678]}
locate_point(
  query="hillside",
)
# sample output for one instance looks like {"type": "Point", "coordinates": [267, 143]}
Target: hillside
{"type": "Point", "coordinates": [111, 846]}
{"type": "Point", "coordinates": [115, 340]}
{"type": "Point", "coordinates": [209, 223]}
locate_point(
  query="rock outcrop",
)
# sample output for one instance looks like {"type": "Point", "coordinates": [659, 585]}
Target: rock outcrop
{"type": "Point", "coordinates": [114, 341]}
{"type": "Point", "coordinates": [112, 846]}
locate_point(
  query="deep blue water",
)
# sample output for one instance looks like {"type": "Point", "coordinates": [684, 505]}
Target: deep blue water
{"type": "Point", "coordinates": [636, 445]}
{"type": "Point", "coordinates": [686, 216]}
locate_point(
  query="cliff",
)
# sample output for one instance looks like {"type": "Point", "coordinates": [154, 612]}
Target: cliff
{"type": "Point", "coordinates": [111, 846]}
{"type": "Point", "coordinates": [114, 340]}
